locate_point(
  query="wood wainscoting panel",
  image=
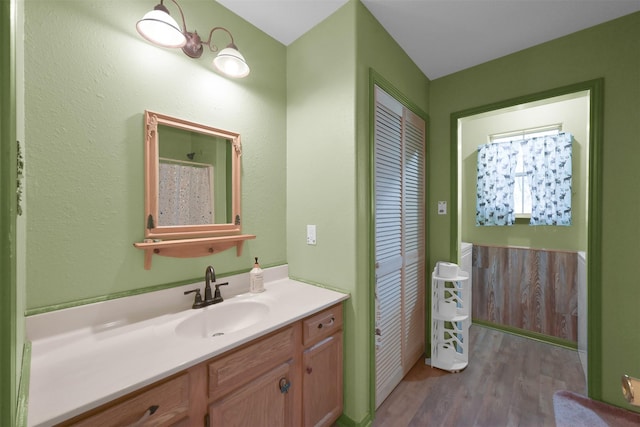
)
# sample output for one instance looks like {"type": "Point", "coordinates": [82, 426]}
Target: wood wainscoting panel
{"type": "Point", "coordinates": [534, 290]}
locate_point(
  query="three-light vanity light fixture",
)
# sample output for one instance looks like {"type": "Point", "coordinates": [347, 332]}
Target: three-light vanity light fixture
{"type": "Point", "coordinates": [158, 27]}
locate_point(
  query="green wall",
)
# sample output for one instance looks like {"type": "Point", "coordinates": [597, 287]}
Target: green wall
{"type": "Point", "coordinates": [612, 51]}
{"type": "Point", "coordinates": [86, 90]}
{"type": "Point", "coordinates": [328, 169]}
{"type": "Point", "coordinates": [11, 333]}
{"type": "Point", "coordinates": [321, 180]}
{"type": "Point", "coordinates": [377, 51]}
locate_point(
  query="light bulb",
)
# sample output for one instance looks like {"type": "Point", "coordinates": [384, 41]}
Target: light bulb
{"type": "Point", "coordinates": [231, 63]}
{"type": "Point", "coordinates": [161, 29]}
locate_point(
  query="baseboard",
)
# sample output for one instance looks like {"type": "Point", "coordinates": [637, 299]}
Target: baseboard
{"type": "Point", "coordinates": [23, 391]}
{"type": "Point", "coordinates": [345, 421]}
{"type": "Point", "coordinates": [528, 334]}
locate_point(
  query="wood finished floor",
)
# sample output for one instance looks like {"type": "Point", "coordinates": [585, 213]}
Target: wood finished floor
{"type": "Point", "coordinates": [510, 381]}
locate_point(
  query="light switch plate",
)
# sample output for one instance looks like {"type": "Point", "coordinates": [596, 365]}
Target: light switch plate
{"type": "Point", "coordinates": [311, 234]}
{"type": "Point", "coordinates": [442, 208]}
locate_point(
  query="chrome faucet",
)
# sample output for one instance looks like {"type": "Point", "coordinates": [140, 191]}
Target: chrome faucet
{"type": "Point", "coordinates": [209, 276]}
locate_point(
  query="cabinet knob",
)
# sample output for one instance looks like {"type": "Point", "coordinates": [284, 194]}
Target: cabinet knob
{"type": "Point", "coordinates": [284, 385]}
{"type": "Point", "coordinates": [309, 369]}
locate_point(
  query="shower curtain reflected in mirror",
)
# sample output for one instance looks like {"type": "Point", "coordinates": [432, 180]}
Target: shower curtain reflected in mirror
{"type": "Point", "coordinates": [185, 194]}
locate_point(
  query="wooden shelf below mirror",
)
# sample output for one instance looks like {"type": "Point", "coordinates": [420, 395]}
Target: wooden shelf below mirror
{"type": "Point", "coordinates": [191, 248]}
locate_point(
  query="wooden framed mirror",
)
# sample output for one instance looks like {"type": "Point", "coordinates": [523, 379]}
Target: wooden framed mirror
{"type": "Point", "coordinates": [191, 170]}
{"type": "Point", "coordinates": [192, 188]}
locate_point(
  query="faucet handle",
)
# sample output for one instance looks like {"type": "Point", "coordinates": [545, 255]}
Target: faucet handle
{"type": "Point", "coordinates": [197, 303]}
{"type": "Point", "coordinates": [217, 296]}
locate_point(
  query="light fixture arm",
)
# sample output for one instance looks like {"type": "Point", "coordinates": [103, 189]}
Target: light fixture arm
{"type": "Point", "coordinates": [194, 46]}
{"type": "Point", "coordinates": [184, 24]}
{"type": "Point", "coordinates": [213, 47]}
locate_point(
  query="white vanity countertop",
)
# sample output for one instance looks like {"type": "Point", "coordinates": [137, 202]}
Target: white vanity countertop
{"type": "Point", "coordinates": [76, 368]}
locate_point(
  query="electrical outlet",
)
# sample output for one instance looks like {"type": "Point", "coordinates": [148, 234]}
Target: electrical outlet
{"type": "Point", "coordinates": [442, 208]}
{"type": "Point", "coordinates": [311, 234]}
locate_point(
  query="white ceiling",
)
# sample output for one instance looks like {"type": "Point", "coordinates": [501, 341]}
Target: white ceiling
{"type": "Point", "coordinates": [444, 36]}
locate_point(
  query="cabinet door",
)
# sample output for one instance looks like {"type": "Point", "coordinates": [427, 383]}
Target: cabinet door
{"type": "Point", "coordinates": [322, 382]}
{"type": "Point", "coordinates": [266, 401]}
{"type": "Point", "coordinates": [229, 372]}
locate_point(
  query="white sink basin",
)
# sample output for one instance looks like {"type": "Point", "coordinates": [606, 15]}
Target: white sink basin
{"type": "Point", "coordinates": [221, 319]}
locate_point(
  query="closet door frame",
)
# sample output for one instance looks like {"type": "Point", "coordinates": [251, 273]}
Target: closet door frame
{"type": "Point", "coordinates": [377, 80]}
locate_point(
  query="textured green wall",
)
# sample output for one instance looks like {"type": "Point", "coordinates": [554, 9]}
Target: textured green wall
{"type": "Point", "coordinates": [321, 180]}
{"type": "Point", "coordinates": [11, 333]}
{"type": "Point", "coordinates": [321, 150]}
{"type": "Point", "coordinates": [328, 168]}
{"type": "Point", "coordinates": [86, 89]}
{"type": "Point", "coordinates": [573, 114]}
{"type": "Point", "coordinates": [21, 227]}
{"type": "Point", "coordinates": [612, 51]}
{"type": "Point", "coordinates": [376, 50]}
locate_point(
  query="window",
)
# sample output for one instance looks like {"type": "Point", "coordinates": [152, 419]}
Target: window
{"type": "Point", "coordinates": [522, 188]}
{"type": "Point", "coordinates": [525, 174]}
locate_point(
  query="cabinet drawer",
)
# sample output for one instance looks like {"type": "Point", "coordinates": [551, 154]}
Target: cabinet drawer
{"type": "Point", "coordinates": [322, 324]}
{"type": "Point", "coordinates": [232, 371]}
{"type": "Point", "coordinates": [170, 397]}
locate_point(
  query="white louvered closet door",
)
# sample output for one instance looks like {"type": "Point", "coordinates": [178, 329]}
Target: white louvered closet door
{"type": "Point", "coordinates": [414, 233]}
{"type": "Point", "coordinates": [399, 241]}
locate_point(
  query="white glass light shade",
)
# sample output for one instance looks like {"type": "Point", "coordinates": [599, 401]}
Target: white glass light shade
{"type": "Point", "coordinates": [161, 29]}
{"type": "Point", "coordinates": [231, 63]}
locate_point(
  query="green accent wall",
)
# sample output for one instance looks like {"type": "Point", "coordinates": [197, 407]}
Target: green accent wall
{"type": "Point", "coordinates": [328, 182]}
{"type": "Point", "coordinates": [8, 316]}
{"type": "Point", "coordinates": [321, 178]}
{"type": "Point", "coordinates": [86, 89]}
{"type": "Point", "coordinates": [12, 227]}
{"type": "Point", "coordinates": [611, 51]}
{"type": "Point", "coordinates": [381, 59]}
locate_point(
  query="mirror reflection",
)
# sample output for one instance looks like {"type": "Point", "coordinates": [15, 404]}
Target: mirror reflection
{"type": "Point", "coordinates": [194, 178]}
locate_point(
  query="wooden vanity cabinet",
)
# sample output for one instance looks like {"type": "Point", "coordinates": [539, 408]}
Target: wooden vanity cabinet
{"type": "Point", "coordinates": [291, 377]}
{"type": "Point", "coordinates": [258, 385]}
{"type": "Point", "coordinates": [322, 368]}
